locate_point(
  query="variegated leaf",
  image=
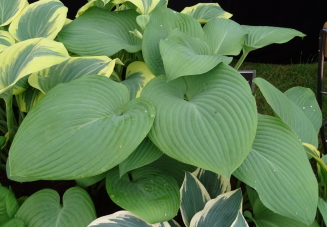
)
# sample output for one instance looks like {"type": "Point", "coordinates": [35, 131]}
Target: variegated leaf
{"type": "Point", "coordinates": [28, 99]}
{"type": "Point", "coordinates": [103, 4]}
{"type": "Point", "coordinates": [240, 221]}
{"type": "Point", "coordinates": [71, 69]}
{"type": "Point", "coordinates": [204, 12]}
{"type": "Point", "coordinates": [41, 19]}
{"type": "Point", "coordinates": [6, 40]}
{"type": "Point", "coordinates": [9, 9]}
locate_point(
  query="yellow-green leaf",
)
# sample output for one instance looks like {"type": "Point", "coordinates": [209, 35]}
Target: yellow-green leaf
{"type": "Point", "coordinates": [24, 58]}
{"type": "Point", "coordinates": [9, 9]}
{"type": "Point", "coordinates": [204, 12]}
{"type": "Point", "coordinates": [6, 40]}
{"type": "Point", "coordinates": [28, 99]}
{"type": "Point", "coordinates": [103, 4]}
{"type": "Point", "coordinates": [41, 19]}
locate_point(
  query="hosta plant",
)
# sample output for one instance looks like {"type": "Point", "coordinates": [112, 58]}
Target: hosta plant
{"type": "Point", "coordinates": [144, 100]}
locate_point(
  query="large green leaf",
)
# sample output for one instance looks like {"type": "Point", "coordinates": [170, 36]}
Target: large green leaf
{"type": "Point", "coordinates": [15, 222]}
{"type": "Point", "coordinates": [88, 181]}
{"type": "Point", "coordinates": [205, 12]}
{"type": "Point", "coordinates": [261, 36]}
{"type": "Point", "coordinates": [123, 218]}
{"type": "Point", "coordinates": [9, 9]}
{"type": "Point", "coordinates": [184, 55]}
{"type": "Point", "coordinates": [263, 217]}
{"type": "Point", "coordinates": [306, 100]}
{"type": "Point", "coordinates": [79, 129]}
{"type": "Point", "coordinates": [69, 70]}
{"type": "Point", "coordinates": [24, 58]}
{"type": "Point", "coordinates": [289, 112]}
{"type": "Point", "coordinates": [221, 211]}
{"type": "Point", "coordinates": [322, 205]}
{"type": "Point", "coordinates": [101, 32]}
{"type": "Point", "coordinates": [159, 28]}
{"type": "Point", "coordinates": [43, 208]}
{"type": "Point", "coordinates": [41, 19]}
{"type": "Point", "coordinates": [213, 183]}
{"type": "Point", "coordinates": [194, 196]}
{"type": "Point", "coordinates": [224, 37]}
{"type": "Point", "coordinates": [8, 204]}
{"type": "Point", "coordinates": [146, 192]}
{"type": "Point", "coordinates": [278, 169]}
{"type": "Point", "coordinates": [6, 40]}
{"type": "Point", "coordinates": [144, 154]}
{"type": "Point", "coordinates": [206, 120]}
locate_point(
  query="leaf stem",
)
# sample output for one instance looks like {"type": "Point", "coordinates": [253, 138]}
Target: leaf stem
{"type": "Point", "coordinates": [240, 61]}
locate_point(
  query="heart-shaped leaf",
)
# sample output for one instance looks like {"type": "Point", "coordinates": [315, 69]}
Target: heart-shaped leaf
{"type": "Point", "coordinates": [146, 192]}
{"type": "Point", "coordinates": [199, 118]}
{"type": "Point", "coordinates": [123, 218]}
{"type": "Point", "coordinates": [40, 19]}
{"type": "Point", "coordinates": [159, 28]}
{"type": "Point", "coordinates": [289, 112]}
{"type": "Point", "coordinates": [306, 100]}
{"type": "Point", "coordinates": [221, 211]}
{"type": "Point", "coordinates": [9, 9]}
{"type": "Point", "coordinates": [6, 40]}
{"type": "Point", "coordinates": [43, 208]}
{"type": "Point", "coordinates": [71, 69]}
{"type": "Point", "coordinates": [101, 32]}
{"type": "Point", "coordinates": [144, 154]}
{"type": "Point", "coordinates": [8, 204]}
{"type": "Point", "coordinates": [278, 155]}
{"type": "Point", "coordinates": [204, 12]}
{"type": "Point", "coordinates": [70, 140]}
{"type": "Point", "coordinates": [184, 55]}
{"type": "Point", "coordinates": [214, 184]}
{"type": "Point", "coordinates": [194, 196]}
{"type": "Point", "coordinates": [27, 57]}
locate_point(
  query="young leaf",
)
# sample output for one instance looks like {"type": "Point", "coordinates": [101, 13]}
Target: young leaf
{"type": "Point", "coordinates": [146, 6]}
{"type": "Point", "coordinates": [70, 140]}
{"type": "Point", "coordinates": [146, 192]}
{"type": "Point", "coordinates": [144, 154]}
{"type": "Point", "coordinates": [201, 117]}
{"type": "Point", "coordinates": [100, 32]}
{"type": "Point", "coordinates": [306, 100]}
{"type": "Point", "coordinates": [183, 55]}
{"type": "Point", "coordinates": [215, 184]}
{"type": "Point", "coordinates": [69, 70]}
{"type": "Point", "coordinates": [28, 99]}
{"type": "Point", "coordinates": [40, 19]}
{"type": "Point", "coordinates": [9, 9]}
{"type": "Point", "coordinates": [194, 196]}
{"type": "Point", "coordinates": [289, 112]}
{"type": "Point", "coordinates": [159, 28]}
{"type": "Point", "coordinates": [205, 12]}
{"type": "Point", "coordinates": [43, 208]}
{"type": "Point", "coordinates": [278, 155]}
{"type": "Point", "coordinates": [123, 218]}
{"type": "Point", "coordinates": [6, 40]}
{"type": "Point", "coordinates": [27, 57]}
{"type": "Point", "coordinates": [221, 211]}
{"type": "Point", "coordinates": [8, 204]}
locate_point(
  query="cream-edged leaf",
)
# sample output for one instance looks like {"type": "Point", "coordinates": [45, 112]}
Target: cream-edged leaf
{"type": "Point", "coordinates": [40, 19]}
{"type": "Point", "coordinates": [9, 9]}
{"type": "Point", "coordinates": [204, 12]}
{"type": "Point", "coordinates": [103, 4]}
{"type": "Point", "coordinates": [6, 40]}
{"type": "Point", "coordinates": [27, 99]}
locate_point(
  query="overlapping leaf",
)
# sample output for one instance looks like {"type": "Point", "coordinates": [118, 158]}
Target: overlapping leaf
{"type": "Point", "coordinates": [24, 58]}
{"type": "Point", "coordinates": [9, 9]}
{"type": "Point", "coordinates": [204, 12]}
{"type": "Point", "coordinates": [123, 218]}
{"type": "Point", "coordinates": [103, 4]}
{"type": "Point", "coordinates": [201, 117]}
{"type": "Point", "coordinates": [100, 32]}
{"type": "Point", "coordinates": [88, 181]}
{"type": "Point", "coordinates": [278, 155]}
{"type": "Point", "coordinates": [144, 154]}
{"type": "Point", "coordinates": [8, 204]}
{"type": "Point", "coordinates": [146, 192]}
{"type": "Point", "coordinates": [239, 221]}
{"type": "Point", "coordinates": [289, 112]}
{"type": "Point", "coordinates": [6, 40]}
{"type": "Point", "coordinates": [76, 209]}
{"type": "Point", "coordinates": [15, 222]}
{"type": "Point", "coordinates": [159, 28]}
{"type": "Point", "coordinates": [67, 139]}
{"type": "Point", "coordinates": [184, 55]}
{"type": "Point", "coordinates": [69, 70]}
{"type": "Point", "coordinates": [306, 100]}
{"type": "Point", "coordinates": [28, 99]}
{"type": "Point", "coordinates": [194, 196]}
{"type": "Point", "coordinates": [40, 19]}
{"type": "Point", "coordinates": [221, 211]}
